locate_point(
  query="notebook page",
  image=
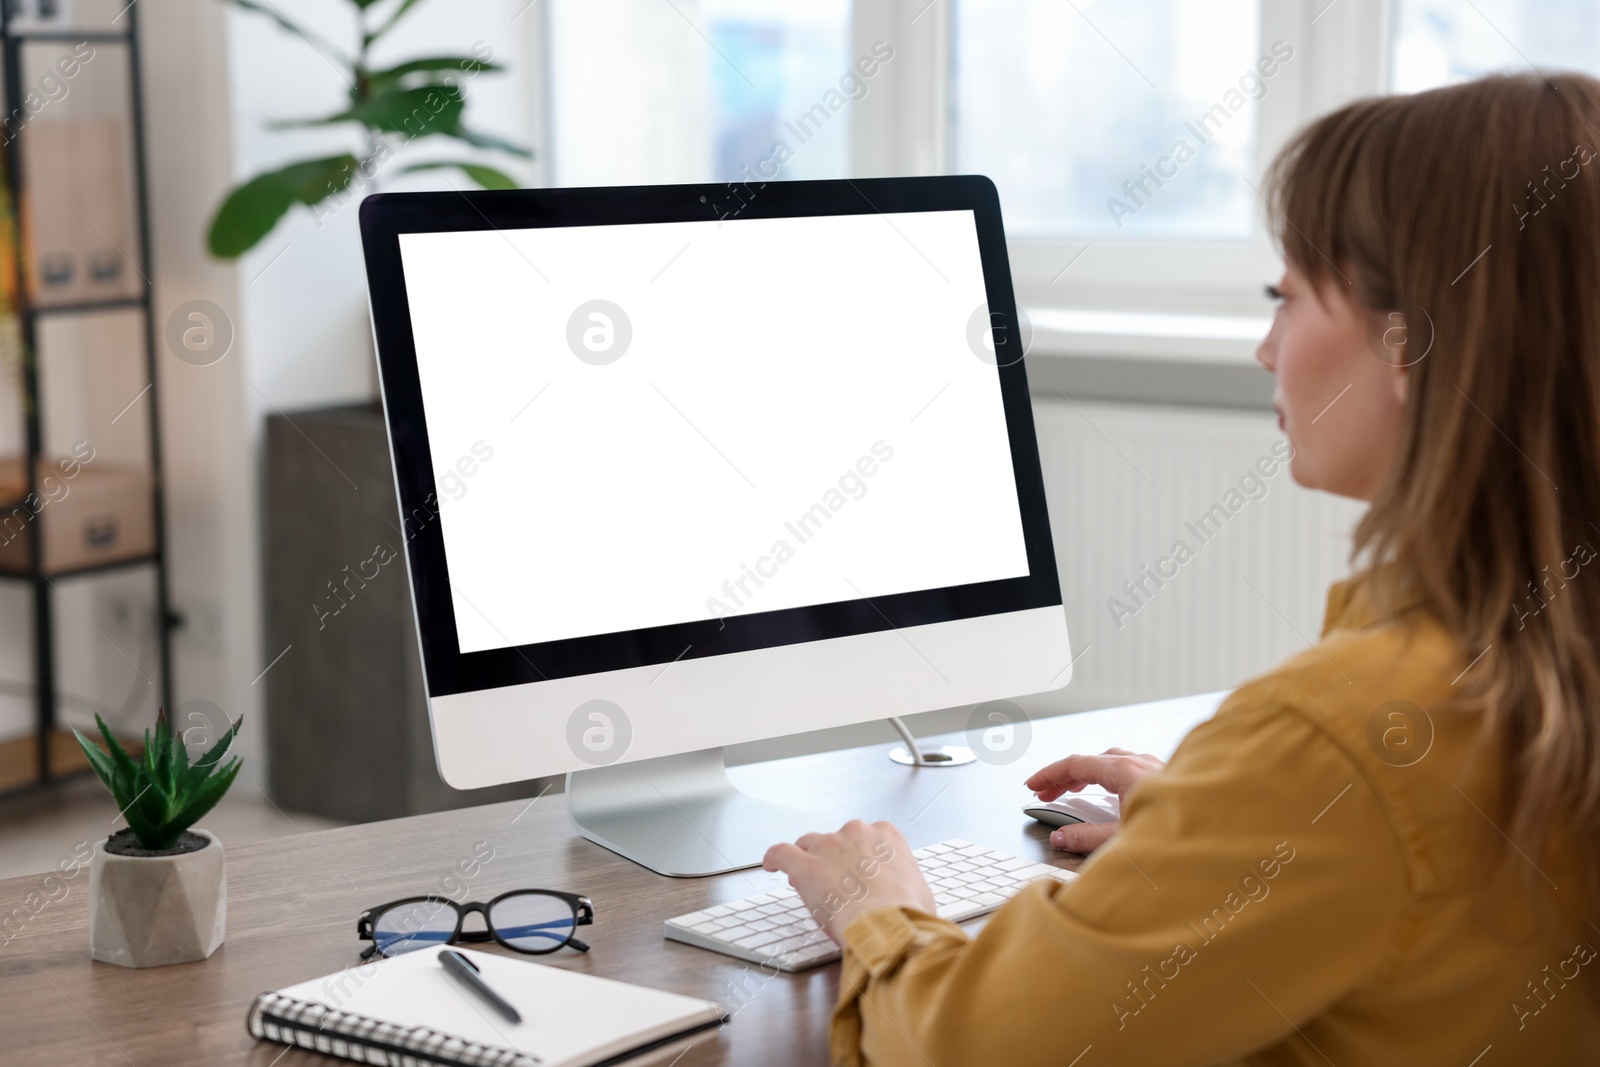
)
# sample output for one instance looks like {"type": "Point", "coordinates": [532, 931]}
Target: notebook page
{"type": "Point", "coordinates": [568, 1018]}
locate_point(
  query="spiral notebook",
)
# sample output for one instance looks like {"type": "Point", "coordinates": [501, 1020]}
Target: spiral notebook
{"type": "Point", "coordinates": [408, 1012]}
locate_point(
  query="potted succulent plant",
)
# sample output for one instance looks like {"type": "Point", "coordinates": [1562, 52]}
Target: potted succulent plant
{"type": "Point", "coordinates": [158, 890]}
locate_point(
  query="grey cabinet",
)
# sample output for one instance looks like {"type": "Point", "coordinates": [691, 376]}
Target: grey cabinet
{"type": "Point", "coordinates": [347, 720]}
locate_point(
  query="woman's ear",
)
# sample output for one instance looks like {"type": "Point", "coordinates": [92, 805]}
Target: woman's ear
{"type": "Point", "coordinates": [1394, 341]}
{"type": "Point", "coordinates": [1395, 349]}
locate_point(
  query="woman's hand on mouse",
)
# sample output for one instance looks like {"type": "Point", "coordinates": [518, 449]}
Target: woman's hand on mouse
{"type": "Point", "coordinates": [842, 876]}
{"type": "Point", "coordinates": [1116, 770]}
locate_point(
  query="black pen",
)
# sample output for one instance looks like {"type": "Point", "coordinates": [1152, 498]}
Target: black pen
{"type": "Point", "coordinates": [465, 971]}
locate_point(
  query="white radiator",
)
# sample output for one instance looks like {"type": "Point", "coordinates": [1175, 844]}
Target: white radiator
{"type": "Point", "coordinates": [1125, 484]}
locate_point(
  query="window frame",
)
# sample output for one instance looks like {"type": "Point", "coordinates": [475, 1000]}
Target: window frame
{"type": "Point", "coordinates": [1340, 53]}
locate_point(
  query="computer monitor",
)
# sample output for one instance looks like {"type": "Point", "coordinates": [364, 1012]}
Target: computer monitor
{"type": "Point", "coordinates": [692, 465]}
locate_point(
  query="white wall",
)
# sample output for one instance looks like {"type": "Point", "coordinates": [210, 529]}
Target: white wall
{"type": "Point", "coordinates": [214, 77]}
{"type": "Point", "coordinates": [211, 522]}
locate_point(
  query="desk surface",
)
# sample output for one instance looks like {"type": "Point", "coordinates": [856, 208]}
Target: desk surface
{"type": "Point", "coordinates": [293, 902]}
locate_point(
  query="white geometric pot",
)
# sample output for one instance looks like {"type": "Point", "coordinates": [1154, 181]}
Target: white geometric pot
{"type": "Point", "coordinates": [149, 911]}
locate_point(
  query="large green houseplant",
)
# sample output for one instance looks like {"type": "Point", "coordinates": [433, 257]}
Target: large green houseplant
{"type": "Point", "coordinates": [392, 106]}
{"type": "Point", "coordinates": [158, 889]}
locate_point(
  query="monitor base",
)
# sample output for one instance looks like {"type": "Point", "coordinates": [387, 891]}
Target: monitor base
{"type": "Point", "coordinates": [680, 816]}
{"type": "Point", "coordinates": [943, 756]}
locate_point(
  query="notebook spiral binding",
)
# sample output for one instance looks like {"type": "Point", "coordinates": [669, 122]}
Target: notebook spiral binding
{"type": "Point", "coordinates": [364, 1040]}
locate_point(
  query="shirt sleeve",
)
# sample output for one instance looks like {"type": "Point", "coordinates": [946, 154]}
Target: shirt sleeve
{"type": "Point", "coordinates": [1255, 880]}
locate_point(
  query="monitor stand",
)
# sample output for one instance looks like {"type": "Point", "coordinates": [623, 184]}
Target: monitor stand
{"type": "Point", "coordinates": [680, 816]}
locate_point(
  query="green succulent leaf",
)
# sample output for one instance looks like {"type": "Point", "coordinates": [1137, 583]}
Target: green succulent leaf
{"type": "Point", "coordinates": [485, 177]}
{"type": "Point", "coordinates": [98, 760]}
{"type": "Point", "coordinates": [203, 799]}
{"type": "Point", "coordinates": [180, 755]}
{"type": "Point", "coordinates": [251, 211]}
{"type": "Point", "coordinates": [205, 764]}
{"type": "Point", "coordinates": [125, 772]}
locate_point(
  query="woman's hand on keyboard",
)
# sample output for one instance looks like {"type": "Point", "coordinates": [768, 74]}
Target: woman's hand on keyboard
{"type": "Point", "coordinates": [1116, 770]}
{"type": "Point", "coordinates": [842, 876]}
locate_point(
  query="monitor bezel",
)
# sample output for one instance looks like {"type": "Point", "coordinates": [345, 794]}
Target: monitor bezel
{"type": "Point", "coordinates": [448, 670]}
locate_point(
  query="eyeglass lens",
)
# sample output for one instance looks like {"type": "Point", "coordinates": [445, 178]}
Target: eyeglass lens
{"type": "Point", "coordinates": [408, 927]}
{"type": "Point", "coordinates": [533, 922]}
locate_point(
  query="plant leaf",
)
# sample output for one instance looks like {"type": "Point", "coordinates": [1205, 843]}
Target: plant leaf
{"type": "Point", "coordinates": [252, 210]}
{"type": "Point", "coordinates": [161, 760]}
{"type": "Point", "coordinates": [150, 813]}
{"type": "Point", "coordinates": [380, 80]}
{"type": "Point", "coordinates": [203, 799]}
{"type": "Point", "coordinates": [148, 832]}
{"type": "Point", "coordinates": [180, 757]}
{"type": "Point", "coordinates": [127, 780]}
{"type": "Point", "coordinates": [485, 140]}
{"type": "Point", "coordinates": [97, 760]}
{"type": "Point", "coordinates": [203, 766]}
{"type": "Point", "coordinates": [485, 177]}
{"type": "Point", "coordinates": [420, 111]}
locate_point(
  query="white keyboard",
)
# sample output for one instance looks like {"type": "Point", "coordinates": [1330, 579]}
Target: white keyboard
{"type": "Point", "coordinates": [775, 929]}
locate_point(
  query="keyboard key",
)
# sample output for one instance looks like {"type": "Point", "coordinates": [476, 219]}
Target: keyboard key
{"type": "Point", "coordinates": [755, 940]}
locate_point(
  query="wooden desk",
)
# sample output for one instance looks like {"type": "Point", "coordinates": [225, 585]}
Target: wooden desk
{"type": "Point", "coordinates": [293, 902]}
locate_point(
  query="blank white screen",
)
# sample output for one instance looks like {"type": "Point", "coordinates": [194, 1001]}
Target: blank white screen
{"type": "Point", "coordinates": [772, 364]}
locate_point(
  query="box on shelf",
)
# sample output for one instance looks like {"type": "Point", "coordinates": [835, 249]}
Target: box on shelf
{"type": "Point", "coordinates": [76, 212]}
{"type": "Point", "coordinates": [102, 514]}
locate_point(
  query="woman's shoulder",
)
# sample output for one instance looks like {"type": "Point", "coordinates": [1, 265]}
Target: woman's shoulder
{"type": "Point", "coordinates": [1386, 697]}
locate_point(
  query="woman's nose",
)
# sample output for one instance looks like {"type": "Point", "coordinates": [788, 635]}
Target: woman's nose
{"type": "Point", "coordinates": [1267, 350]}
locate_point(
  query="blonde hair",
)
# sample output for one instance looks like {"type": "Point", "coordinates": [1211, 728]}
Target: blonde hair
{"type": "Point", "coordinates": [1474, 211]}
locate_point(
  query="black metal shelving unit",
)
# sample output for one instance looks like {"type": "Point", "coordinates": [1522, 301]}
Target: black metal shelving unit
{"type": "Point", "coordinates": [14, 41]}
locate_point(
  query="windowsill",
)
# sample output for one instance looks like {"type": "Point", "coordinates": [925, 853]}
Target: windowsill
{"type": "Point", "coordinates": [1226, 340]}
{"type": "Point", "coordinates": [1184, 360]}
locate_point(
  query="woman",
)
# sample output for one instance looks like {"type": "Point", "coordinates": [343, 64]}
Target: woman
{"type": "Point", "coordinates": [1384, 851]}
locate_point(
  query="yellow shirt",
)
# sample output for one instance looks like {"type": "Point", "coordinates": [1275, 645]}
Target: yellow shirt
{"type": "Point", "coordinates": [1300, 885]}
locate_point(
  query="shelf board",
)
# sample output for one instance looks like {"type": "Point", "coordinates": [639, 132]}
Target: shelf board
{"type": "Point", "coordinates": [19, 760]}
{"type": "Point", "coordinates": [68, 36]}
{"type": "Point", "coordinates": [116, 304]}
{"type": "Point", "coordinates": [78, 572]}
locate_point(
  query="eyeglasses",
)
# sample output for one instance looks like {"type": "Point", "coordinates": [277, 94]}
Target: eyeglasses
{"type": "Point", "coordinates": [535, 921]}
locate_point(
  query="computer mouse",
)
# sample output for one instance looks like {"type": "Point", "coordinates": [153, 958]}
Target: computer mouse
{"type": "Point", "coordinates": [1075, 808]}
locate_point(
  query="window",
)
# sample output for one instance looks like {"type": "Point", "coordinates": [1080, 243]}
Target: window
{"type": "Point", "coordinates": [686, 91]}
{"type": "Point", "coordinates": [1438, 42]}
{"type": "Point", "coordinates": [1133, 119]}
{"type": "Point", "coordinates": [1127, 138]}
{"type": "Point", "coordinates": [1076, 108]}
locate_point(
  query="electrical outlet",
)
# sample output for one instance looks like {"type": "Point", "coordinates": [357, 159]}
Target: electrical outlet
{"type": "Point", "coordinates": [201, 624]}
{"type": "Point", "coordinates": [128, 612]}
